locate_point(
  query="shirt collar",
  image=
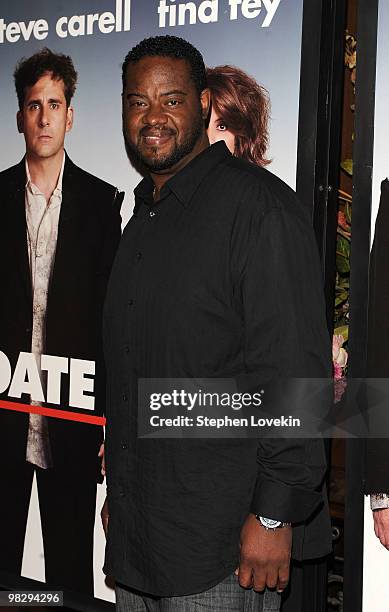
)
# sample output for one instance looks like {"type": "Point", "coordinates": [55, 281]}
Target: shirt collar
{"type": "Point", "coordinates": [34, 189]}
{"type": "Point", "coordinates": [186, 181]}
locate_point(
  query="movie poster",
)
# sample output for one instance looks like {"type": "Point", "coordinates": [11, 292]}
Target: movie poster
{"type": "Point", "coordinates": [260, 37]}
{"type": "Point", "coordinates": [376, 557]}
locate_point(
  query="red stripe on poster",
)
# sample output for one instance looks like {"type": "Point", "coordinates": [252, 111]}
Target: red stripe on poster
{"type": "Point", "coordinates": [53, 412]}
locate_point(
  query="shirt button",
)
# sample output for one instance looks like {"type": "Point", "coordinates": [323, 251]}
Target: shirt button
{"type": "Point", "coordinates": [125, 397]}
{"type": "Point", "coordinates": [126, 349]}
{"type": "Point", "coordinates": [130, 302]}
{"type": "Point", "coordinates": [124, 446]}
{"type": "Point", "coordinates": [139, 256]}
{"type": "Point", "coordinates": [152, 213]}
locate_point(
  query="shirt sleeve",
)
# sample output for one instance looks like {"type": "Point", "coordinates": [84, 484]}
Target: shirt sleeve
{"type": "Point", "coordinates": [379, 501]}
{"type": "Point", "coordinates": [285, 337]}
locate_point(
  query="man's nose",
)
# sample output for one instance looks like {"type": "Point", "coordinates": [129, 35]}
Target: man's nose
{"type": "Point", "coordinates": [44, 117]}
{"type": "Point", "coordinates": [155, 115]}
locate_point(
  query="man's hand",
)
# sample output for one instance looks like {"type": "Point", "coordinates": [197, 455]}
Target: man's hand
{"type": "Point", "coordinates": [264, 556]}
{"type": "Point", "coordinates": [381, 526]}
{"type": "Point", "coordinates": [101, 454]}
{"type": "Point", "coordinates": [105, 516]}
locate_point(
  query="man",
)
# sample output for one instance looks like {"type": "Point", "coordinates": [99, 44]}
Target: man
{"type": "Point", "coordinates": [377, 449]}
{"type": "Point", "coordinates": [59, 230]}
{"type": "Point", "coordinates": [216, 276]}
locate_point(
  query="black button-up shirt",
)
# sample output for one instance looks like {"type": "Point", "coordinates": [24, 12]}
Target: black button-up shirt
{"type": "Point", "coordinates": [219, 278]}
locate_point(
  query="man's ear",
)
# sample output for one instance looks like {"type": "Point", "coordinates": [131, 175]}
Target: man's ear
{"type": "Point", "coordinates": [69, 118]}
{"type": "Point", "coordinates": [19, 122]}
{"type": "Point", "coordinates": [205, 100]}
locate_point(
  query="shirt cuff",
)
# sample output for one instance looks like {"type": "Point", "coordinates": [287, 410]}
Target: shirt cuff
{"type": "Point", "coordinates": [284, 503]}
{"type": "Point", "coordinates": [379, 501]}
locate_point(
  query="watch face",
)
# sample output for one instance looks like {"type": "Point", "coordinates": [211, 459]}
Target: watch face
{"type": "Point", "coordinates": [269, 523]}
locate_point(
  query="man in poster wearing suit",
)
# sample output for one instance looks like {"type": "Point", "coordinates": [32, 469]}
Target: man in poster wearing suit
{"type": "Point", "coordinates": [59, 230]}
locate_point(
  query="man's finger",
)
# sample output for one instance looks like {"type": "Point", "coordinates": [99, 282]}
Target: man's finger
{"type": "Point", "coordinates": [245, 576]}
{"type": "Point", "coordinates": [102, 455]}
{"type": "Point", "coordinates": [260, 578]}
{"type": "Point", "coordinates": [272, 579]}
{"type": "Point", "coordinates": [283, 578]}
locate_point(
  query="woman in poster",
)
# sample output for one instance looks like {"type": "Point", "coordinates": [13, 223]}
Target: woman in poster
{"type": "Point", "coordinates": [240, 113]}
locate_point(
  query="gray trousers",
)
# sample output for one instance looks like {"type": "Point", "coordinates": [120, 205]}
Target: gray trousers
{"type": "Point", "coordinates": [227, 596]}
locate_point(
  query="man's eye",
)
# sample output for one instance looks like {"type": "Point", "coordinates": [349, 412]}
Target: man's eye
{"type": "Point", "coordinates": [54, 105]}
{"type": "Point", "coordinates": [222, 127]}
{"type": "Point", "coordinates": [137, 103]}
{"type": "Point", "coordinates": [173, 102]}
{"type": "Point", "coordinates": [33, 106]}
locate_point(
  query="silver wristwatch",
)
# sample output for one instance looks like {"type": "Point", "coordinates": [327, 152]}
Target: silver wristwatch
{"type": "Point", "coordinates": [272, 524]}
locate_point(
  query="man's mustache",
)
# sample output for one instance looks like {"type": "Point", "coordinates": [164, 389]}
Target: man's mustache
{"type": "Point", "coordinates": [164, 131]}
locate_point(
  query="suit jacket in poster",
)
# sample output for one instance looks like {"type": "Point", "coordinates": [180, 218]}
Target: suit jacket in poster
{"type": "Point", "coordinates": [88, 235]}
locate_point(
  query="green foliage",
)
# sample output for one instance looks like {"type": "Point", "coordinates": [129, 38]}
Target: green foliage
{"type": "Point", "coordinates": [342, 281]}
{"type": "Point", "coordinates": [343, 244]}
{"type": "Point", "coordinates": [342, 331]}
{"type": "Point", "coordinates": [347, 166]}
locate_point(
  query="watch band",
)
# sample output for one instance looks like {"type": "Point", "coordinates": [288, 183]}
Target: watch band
{"type": "Point", "coordinates": [271, 524]}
